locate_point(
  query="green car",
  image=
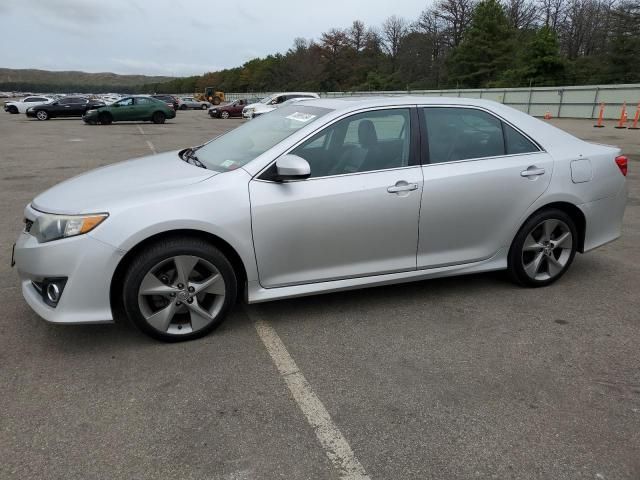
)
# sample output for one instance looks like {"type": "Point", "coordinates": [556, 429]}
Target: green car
{"type": "Point", "coordinates": [130, 109]}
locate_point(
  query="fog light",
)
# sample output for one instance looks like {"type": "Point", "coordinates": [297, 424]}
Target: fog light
{"type": "Point", "coordinates": [51, 290]}
{"type": "Point", "coordinates": [53, 293]}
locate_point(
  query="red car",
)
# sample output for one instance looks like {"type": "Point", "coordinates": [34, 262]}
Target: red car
{"type": "Point", "coordinates": [231, 109]}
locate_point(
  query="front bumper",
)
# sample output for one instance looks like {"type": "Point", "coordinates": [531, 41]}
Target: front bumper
{"type": "Point", "coordinates": [30, 113]}
{"type": "Point", "coordinates": [88, 264]}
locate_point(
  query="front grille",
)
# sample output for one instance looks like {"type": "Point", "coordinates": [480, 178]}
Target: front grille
{"type": "Point", "coordinates": [27, 225]}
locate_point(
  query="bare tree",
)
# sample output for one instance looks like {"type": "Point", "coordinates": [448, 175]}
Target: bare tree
{"type": "Point", "coordinates": [394, 29]}
{"type": "Point", "coordinates": [357, 35]}
{"type": "Point", "coordinates": [522, 14]}
{"type": "Point", "coordinates": [552, 12]}
{"type": "Point", "coordinates": [456, 15]}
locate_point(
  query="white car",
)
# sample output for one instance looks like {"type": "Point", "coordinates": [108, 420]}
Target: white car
{"type": "Point", "coordinates": [273, 101]}
{"type": "Point", "coordinates": [21, 106]}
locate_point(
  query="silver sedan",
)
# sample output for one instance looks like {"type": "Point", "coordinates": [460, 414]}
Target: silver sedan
{"type": "Point", "coordinates": [185, 103]}
{"type": "Point", "coordinates": [320, 196]}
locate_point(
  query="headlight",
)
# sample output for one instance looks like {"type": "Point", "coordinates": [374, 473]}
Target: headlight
{"type": "Point", "coordinates": [30, 109]}
{"type": "Point", "coordinates": [93, 110]}
{"type": "Point", "coordinates": [50, 227]}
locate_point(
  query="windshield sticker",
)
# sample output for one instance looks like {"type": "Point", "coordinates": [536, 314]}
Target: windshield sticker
{"type": "Point", "coordinates": [301, 117]}
{"type": "Point", "coordinates": [227, 163]}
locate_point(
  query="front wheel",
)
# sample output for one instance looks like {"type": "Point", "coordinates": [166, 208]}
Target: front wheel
{"type": "Point", "coordinates": [179, 289]}
{"type": "Point", "coordinates": [543, 249]}
{"type": "Point", "coordinates": [105, 119]}
{"type": "Point", "coordinates": [158, 117]}
{"type": "Point", "coordinates": [183, 107]}
{"type": "Point", "coordinates": [42, 115]}
{"type": "Point", "coordinates": [204, 107]}
{"type": "Point", "coordinates": [224, 115]}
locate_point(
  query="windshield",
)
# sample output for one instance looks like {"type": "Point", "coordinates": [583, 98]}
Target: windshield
{"type": "Point", "coordinates": [241, 145]}
{"type": "Point", "coordinates": [266, 100]}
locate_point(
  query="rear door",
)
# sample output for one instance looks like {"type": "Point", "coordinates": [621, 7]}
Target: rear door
{"type": "Point", "coordinates": [480, 177]}
{"type": "Point", "coordinates": [143, 109]}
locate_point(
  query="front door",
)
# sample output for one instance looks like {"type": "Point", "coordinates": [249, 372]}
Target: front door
{"type": "Point", "coordinates": [481, 177]}
{"type": "Point", "coordinates": [357, 214]}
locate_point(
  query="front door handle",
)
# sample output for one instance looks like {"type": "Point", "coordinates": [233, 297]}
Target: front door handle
{"type": "Point", "coordinates": [532, 171]}
{"type": "Point", "coordinates": [402, 186]}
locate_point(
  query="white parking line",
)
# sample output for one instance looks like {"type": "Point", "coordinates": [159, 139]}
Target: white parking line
{"type": "Point", "coordinates": [335, 445]}
{"type": "Point", "coordinates": [149, 144]}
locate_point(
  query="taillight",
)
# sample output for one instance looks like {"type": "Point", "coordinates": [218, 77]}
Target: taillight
{"type": "Point", "coordinates": [622, 163]}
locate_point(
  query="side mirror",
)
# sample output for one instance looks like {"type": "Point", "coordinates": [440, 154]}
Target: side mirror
{"type": "Point", "coordinates": [292, 167]}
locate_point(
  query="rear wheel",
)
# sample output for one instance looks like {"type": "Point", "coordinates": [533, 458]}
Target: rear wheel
{"type": "Point", "coordinates": [105, 119]}
{"type": "Point", "coordinates": [42, 115]}
{"type": "Point", "coordinates": [179, 289]}
{"type": "Point", "coordinates": [543, 249]}
{"type": "Point", "coordinates": [216, 100]}
{"type": "Point", "coordinates": [224, 115]}
{"type": "Point", "coordinates": [12, 109]}
{"type": "Point", "coordinates": [158, 117]}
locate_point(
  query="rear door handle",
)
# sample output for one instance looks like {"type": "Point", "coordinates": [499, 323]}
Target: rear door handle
{"type": "Point", "coordinates": [402, 186]}
{"type": "Point", "coordinates": [532, 171]}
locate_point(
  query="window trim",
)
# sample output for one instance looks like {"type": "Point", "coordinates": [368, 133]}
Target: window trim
{"type": "Point", "coordinates": [414, 144]}
{"type": "Point", "coordinates": [426, 159]}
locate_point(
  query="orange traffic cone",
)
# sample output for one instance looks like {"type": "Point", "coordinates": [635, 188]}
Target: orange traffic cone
{"type": "Point", "coordinates": [622, 123]}
{"type": "Point", "coordinates": [547, 115]}
{"type": "Point", "coordinates": [600, 117]}
{"type": "Point", "coordinates": [635, 119]}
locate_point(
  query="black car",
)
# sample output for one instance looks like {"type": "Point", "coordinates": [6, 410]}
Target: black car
{"type": "Point", "coordinates": [170, 100]}
{"type": "Point", "coordinates": [64, 107]}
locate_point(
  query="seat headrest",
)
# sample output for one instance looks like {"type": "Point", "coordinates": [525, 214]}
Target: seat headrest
{"type": "Point", "coordinates": [367, 135]}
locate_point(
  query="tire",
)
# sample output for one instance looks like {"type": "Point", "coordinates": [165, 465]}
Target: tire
{"type": "Point", "coordinates": [224, 115]}
{"type": "Point", "coordinates": [183, 107]}
{"type": "Point", "coordinates": [42, 115]}
{"type": "Point", "coordinates": [179, 313]}
{"type": "Point", "coordinates": [13, 109]}
{"type": "Point", "coordinates": [543, 248]}
{"type": "Point", "coordinates": [158, 118]}
{"type": "Point", "coordinates": [105, 119]}
{"type": "Point", "coordinates": [216, 100]}
{"type": "Point", "coordinates": [204, 107]}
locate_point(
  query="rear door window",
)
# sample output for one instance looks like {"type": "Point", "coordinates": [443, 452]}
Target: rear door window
{"type": "Point", "coordinates": [462, 134]}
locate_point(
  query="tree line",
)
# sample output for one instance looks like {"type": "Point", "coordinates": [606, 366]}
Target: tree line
{"type": "Point", "coordinates": [453, 44]}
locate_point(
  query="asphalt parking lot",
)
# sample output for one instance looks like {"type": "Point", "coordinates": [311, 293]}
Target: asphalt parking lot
{"type": "Point", "coordinates": [459, 378]}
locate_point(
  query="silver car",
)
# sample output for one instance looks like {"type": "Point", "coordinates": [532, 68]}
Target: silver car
{"type": "Point", "coordinates": [185, 103]}
{"type": "Point", "coordinates": [316, 197]}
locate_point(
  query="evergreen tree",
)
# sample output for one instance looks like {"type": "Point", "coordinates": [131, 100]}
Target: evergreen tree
{"type": "Point", "coordinates": [486, 48]}
{"type": "Point", "coordinates": [538, 63]}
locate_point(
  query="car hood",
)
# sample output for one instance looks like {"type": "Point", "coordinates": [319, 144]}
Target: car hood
{"type": "Point", "coordinates": [99, 189]}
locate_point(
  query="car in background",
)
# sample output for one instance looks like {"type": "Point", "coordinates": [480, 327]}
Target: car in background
{"type": "Point", "coordinates": [64, 107]}
{"type": "Point", "coordinates": [190, 102]}
{"type": "Point", "coordinates": [170, 100]}
{"type": "Point", "coordinates": [263, 106]}
{"type": "Point", "coordinates": [369, 192]}
{"type": "Point", "coordinates": [291, 101]}
{"type": "Point", "coordinates": [141, 109]}
{"type": "Point", "coordinates": [21, 106]}
{"type": "Point", "coordinates": [229, 110]}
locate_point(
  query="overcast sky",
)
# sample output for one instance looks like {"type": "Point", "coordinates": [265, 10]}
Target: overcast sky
{"type": "Point", "coordinates": [171, 37]}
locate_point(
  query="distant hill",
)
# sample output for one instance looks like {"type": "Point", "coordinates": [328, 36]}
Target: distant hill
{"type": "Point", "coordinates": [72, 81]}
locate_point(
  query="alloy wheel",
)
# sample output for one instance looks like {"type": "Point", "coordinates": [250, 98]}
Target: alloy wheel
{"type": "Point", "coordinates": [224, 115]}
{"type": "Point", "coordinates": [42, 115]}
{"type": "Point", "coordinates": [181, 295]}
{"type": "Point", "coordinates": [547, 249]}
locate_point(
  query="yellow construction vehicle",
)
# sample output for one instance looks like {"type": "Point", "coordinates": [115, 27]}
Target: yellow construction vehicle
{"type": "Point", "coordinates": [210, 95]}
